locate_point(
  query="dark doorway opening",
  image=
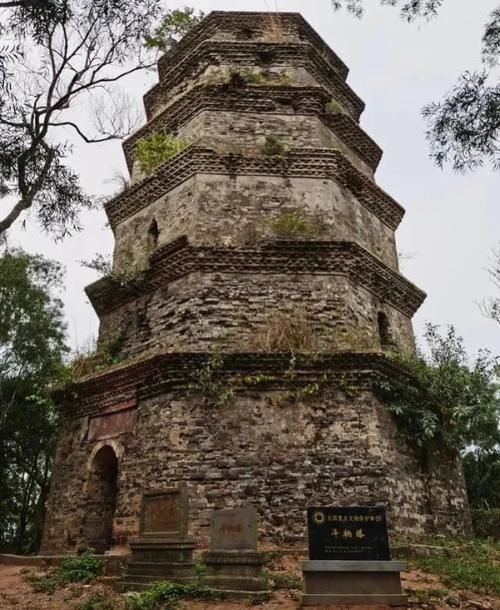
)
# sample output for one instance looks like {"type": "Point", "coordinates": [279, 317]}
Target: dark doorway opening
{"type": "Point", "coordinates": [101, 500]}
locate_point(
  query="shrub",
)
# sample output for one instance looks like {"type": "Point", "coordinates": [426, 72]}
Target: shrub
{"type": "Point", "coordinates": [175, 24]}
{"type": "Point", "coordinates": [482, 478]}
{"type": "Point", "coordinates": [486, 523]}
{"type": "Point", "coordinates": [291, 225]}
{"type": "Point", "coordinates": [156, 149]}
{"type": "Point", "coordinates": [333, 107]}
{"type": "Point", "coordinates": [84, 568]}
{"type": "Point", "coordinates": [287, 332]}
{"type": "Point", "coordinates": [446, 401]}
{"type": "Point", "coordinates": [252, 77]}
{"type": "Point", "coordinates": [284, 580]}
{"type": "Point", "coordinates": [93, 358]}
{"type": "Point", "coordinates": [81, 569]}
{"type": "Point", "coordinates": [43, 584]}
{"type": "Point", "coordinates": [97, 601]}
{"type": "Point", "coordinates": [166, 596]}
{"type": "Point", "coordinates": [274, 147]}
{"type": "Point", "coordinates": [475, 568]}
{"type": "Point", "coordinates": [207, 383]}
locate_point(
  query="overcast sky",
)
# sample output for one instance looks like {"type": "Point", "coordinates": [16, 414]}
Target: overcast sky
{"type": "Point", "coordinates": [452, 221]}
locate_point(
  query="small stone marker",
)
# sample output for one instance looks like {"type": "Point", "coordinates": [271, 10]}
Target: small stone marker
{"type": "Point", "coordinates": [163, 550]}
{"type": "Point", "coordinates": [234, 529]}
{"type": "Point", "coordinates": [349, 560]}
{"type": "Point", "coordinates": [233, 563]}
{"type": "Point", "coordinates": [354, 533]}
{"type": "Point", "coordinates": [165, 513]}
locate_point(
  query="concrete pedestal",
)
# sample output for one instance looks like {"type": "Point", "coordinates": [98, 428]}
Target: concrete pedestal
{"type": "Point", "coordinates": [235, 571]}
{"type": "Point", "coordinates": [156, 559]}
{"type": "Point", "coordinates": [376, 583]}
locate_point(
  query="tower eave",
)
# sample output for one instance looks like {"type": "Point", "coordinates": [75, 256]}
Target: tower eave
{"type": "Point", "coordinates": [300, 163]}
{"type": "Point", "coordinates": [179, 259]}
{"type": "Point", "coordinates": [305, 101]}
{"type": "Point", "coordinates": [215, 19]}
{"type": "Point", "coordinates": [153, 374]}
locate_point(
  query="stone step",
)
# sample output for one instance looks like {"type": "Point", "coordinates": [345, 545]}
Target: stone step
{"type": "Point", "coordinates": [161, 569]}
{"type": "Point", "coordinates": [326, 599]}
{"type": "Point", "coordinates": [136, 587]}
{"type": "Point", "coordinates": [160, 577]}
{"type": "Point", "coordinates": [235, 583]}
{"type": "Point", "coordinates": [136, 583]}
{"type": "Point", "coordinates": [256, 596]}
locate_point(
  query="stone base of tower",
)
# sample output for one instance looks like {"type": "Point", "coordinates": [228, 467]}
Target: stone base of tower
{"type": "Point", "coordinates": [271, 446]}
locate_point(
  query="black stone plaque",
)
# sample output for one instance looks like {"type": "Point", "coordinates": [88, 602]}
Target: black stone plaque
{"type": "Point", "coordinates": [353, 533]}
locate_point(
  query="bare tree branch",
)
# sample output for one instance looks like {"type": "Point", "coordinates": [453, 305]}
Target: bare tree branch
{"type": "Point", "coordinates": [82, 47]}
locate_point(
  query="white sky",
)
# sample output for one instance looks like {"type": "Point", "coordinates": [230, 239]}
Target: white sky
{"type": "Point", "coordinates": [452, 221]}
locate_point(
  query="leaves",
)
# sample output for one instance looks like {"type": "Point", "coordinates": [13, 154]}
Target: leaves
{"type": "Point", "coordinates": [174, 25]}
{"type": "Point", "coordinates": [450, 401]}
{"type": "Point", "coordinates": [464, 128]}
{"type": "Point", "coordinates": [409, 9]}
{"type": "Point", "coordinates": [159, 147]}
{"type": "Point", "coordinates": [63, 50]}
{"type": "Point", "coordinates": [491, 39]}
{"type": "Point", "coordinates": [32, 348]}
{"type": "Point", "coordinates": [482, 477]}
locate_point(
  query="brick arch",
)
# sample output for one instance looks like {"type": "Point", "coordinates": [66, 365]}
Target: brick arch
{"type": "Point", "coordinates": [99, 493]}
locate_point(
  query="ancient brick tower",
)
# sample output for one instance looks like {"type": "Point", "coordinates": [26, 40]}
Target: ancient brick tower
{"type": "Point", "coordinates": [250, 344]}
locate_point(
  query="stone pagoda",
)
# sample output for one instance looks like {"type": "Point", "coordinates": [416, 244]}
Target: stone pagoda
{"type": "Point", "coordinates": [254, 297]}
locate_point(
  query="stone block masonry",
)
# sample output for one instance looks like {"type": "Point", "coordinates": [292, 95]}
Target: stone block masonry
{"type": "Point", "coordinates": [225, 253]}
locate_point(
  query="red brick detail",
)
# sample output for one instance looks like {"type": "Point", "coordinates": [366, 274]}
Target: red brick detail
{"type": "Point", "coordinates": [108, 425]}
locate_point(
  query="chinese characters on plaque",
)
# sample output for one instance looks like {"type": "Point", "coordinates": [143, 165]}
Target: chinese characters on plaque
{"type": "Point", "coordinates": [354, 533]}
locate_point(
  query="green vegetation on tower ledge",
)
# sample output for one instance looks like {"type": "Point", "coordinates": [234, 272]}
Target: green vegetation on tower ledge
{"type": "Point", "coordinates": [175, 24]}
{"type": "Point", "coordinates": [159, 147]}
{"type": "Point", "coordinates": [333, 107]}
{"type": "Point", "coordinates": [274, 147]}
{"type": "Point", "coordinates": [290, 225]}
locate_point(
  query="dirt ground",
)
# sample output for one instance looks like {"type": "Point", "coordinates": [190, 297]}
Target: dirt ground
{"type": "Point", "coordinates": [16, 593]}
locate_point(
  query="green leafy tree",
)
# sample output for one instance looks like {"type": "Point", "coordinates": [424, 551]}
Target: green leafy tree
{"type": "Point", "coordinates": [32, 348]}
{"type": "Point", "coordinates": [447, 401]}
{"type": "Point", "coordinates": [174, 25]}
{"type": "Point", "coordinates": [491, 307]}
{"type": "Point", "coordinates": [463, 129]}
{"type": "Point", "coordinates": [482, 476]}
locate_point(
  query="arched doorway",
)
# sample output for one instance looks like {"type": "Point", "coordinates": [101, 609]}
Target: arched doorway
{"type": "Point", "coordinates": [101, 500]}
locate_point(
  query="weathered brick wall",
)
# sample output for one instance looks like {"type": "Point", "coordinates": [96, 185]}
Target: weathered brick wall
{"type": "Point", "coordinates": [246, 134]}
{"type": "Point", "coordinates": [229, 312]}
{"type": "Point", "coordinates": [214, 75]}
{"type": "Point", "coordinates": [220, 210]}
{"type": "Point", "coordinates": [340, 448]}
{"type": "Point", "coordinates": [201, 233]}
